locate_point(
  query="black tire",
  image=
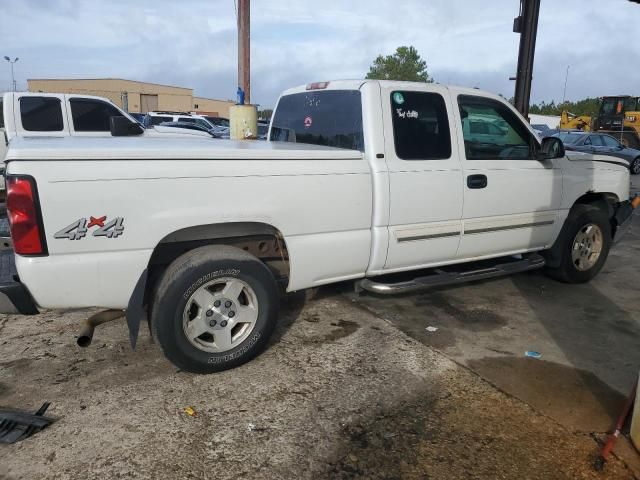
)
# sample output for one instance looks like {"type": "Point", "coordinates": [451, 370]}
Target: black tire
{"type": "Point", "coordinates": [186, 275]}
{"type": "Point", "coordinates": [579, 218]}
{"type": "Point", "coordinates": [635, 166]}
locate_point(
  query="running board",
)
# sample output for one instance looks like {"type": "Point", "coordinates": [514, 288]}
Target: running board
{"type": "Point", "coordinates": [440, 277]}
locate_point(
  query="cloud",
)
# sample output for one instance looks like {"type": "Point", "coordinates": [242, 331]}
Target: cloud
{"type": "Point", "coordinates": [193, 43]}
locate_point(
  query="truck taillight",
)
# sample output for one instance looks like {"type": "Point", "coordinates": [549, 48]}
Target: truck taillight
{"type": "Point", "coordinates": [23, 210]}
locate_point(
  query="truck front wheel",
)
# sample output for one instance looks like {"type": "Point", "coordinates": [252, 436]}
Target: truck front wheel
{"type": "Point", "coordinates": [214, 309]}
{"type": "Point", "coordinates": [584, 245]}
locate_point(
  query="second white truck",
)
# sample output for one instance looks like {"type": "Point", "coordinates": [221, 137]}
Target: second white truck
{"type": "Point", "coordinates": [360, 179]}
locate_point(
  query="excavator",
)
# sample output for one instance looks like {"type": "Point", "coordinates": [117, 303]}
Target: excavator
{"type": "Point", "coordinates": [619, 116]}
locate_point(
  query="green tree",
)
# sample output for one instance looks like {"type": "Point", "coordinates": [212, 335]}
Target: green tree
{"type": "Point", "coordinates": [405, 64]}
{"type": "Point", "coordinates": [586, 106]}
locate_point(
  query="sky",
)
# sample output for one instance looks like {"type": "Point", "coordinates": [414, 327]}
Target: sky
{"type": "Point", "coordinates": [192, 43]}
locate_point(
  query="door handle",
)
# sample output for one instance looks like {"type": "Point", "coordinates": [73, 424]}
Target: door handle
{"type": "Point", "coordinates": [477, 181]}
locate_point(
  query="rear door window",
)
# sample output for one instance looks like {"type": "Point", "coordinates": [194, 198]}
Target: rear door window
{"type": "Point", "coordinates": [420, 126]}
{"type": "Point", "coordinates": [92, 115]}
{"type": "Point", "coordinates": [331, 118]}
{"type": "Point", "coordinates": [41, 114]}
{"type": "Point", "coordinates": [187, 119]}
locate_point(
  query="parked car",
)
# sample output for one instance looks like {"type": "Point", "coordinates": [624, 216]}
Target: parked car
{"type": "Point", "coordinates": [604, 144]}
{"type": "Point", "coordinates": [156, 118]}
{"type": "Point", "coordinates": [188, 128]}
{"type": "Point", "coordinates": [219, 121]}
{"type": "Point", "coordinates": [202, 236]}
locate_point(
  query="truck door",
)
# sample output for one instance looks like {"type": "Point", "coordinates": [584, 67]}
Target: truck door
{"type": "Point", "coordinates": [425, 177]}
{"type": "Point", "coordinates": [511, 199]}
{"type": "Point", "coordinates": [42, 115]}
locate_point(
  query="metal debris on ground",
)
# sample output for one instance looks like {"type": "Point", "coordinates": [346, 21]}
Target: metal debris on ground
{"type": "Point", "coordinates": [16, 426]}
{"type": "Point", "coordinates": [190, 411]}
{"type": "Point", "coordinates": [431, 329]}
{"type": "Point", "coordinates": [532, 354]}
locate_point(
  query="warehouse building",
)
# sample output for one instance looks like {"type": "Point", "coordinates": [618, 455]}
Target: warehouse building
{"type": "Point", "coordinates": [136, 97]}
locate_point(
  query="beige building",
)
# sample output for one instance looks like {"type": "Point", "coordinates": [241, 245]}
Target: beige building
{"type": "Point", "coordinates": [136, 97]}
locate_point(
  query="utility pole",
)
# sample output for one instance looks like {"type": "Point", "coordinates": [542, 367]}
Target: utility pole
{"type": "Point", "coordinates": [13, 77]}
{"type": "Point", "coordinates": [566, 77]}
{"type": "Point", "coordinates": [526, 24]}
{"type": "Point", "coordinates": [244, 55]}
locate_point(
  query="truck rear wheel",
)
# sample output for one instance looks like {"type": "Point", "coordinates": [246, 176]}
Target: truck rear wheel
{"type": "Point", "coordinates": [584, 245]}
{"type": "Point", "coordinates": [214, 309]}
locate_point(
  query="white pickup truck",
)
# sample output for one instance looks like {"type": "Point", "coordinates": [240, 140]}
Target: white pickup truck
{"type": "Point", "coordinates": [35, 114]}
{"type": "Point", "coordinates": [408, 187]}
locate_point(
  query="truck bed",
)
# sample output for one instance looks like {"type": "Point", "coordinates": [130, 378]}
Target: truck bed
{"type": "Point", "coordinates": [136, 148]}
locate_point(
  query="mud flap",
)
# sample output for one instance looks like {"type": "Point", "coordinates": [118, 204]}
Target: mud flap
{"type": "Point", "coordinates": [135, 309]}
{"type": "Point", "coordinates": [16, 426]}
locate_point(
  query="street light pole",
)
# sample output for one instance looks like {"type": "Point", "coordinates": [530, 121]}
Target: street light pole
{"type": "Point", "coordinates": [564, 93]}
{"type": "Point", "coordinates": [13, 77]}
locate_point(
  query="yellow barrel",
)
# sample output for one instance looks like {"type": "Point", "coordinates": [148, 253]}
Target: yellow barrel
{"type": "Point", "coordinates": [244, 122]}
{"type": "Point", "coordinates": [635, 421]}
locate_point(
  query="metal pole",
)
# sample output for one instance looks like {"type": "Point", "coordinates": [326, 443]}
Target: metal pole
{"type": "Point", "coordinates": [527, 25]}
{"type": "Point", "coordinates": [13, 77]}
{"type": "Point", "coordinates": [244, 57]}
{"type": "Point", "coordinates": [566, 77]}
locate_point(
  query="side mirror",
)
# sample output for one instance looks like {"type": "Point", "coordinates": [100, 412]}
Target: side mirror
{"type": "Point", "coordinates": [123, 127]}
{"type": "Point", "coordinates": [552, 147]}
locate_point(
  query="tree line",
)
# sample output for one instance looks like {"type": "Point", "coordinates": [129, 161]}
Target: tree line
{"type": "Point", "coordinates": [406, 64]}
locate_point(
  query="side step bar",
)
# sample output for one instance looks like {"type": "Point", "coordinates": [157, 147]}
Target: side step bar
{"type": "Point", "coordinates": [440, 278]}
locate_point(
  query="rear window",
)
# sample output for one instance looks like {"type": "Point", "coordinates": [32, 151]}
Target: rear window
{"type": "Point", "coordinates": [92, 115]}
{"type": "Point", "coordinates": [332, 118]}
{"type": "Point", "coordinates": [41, 114]}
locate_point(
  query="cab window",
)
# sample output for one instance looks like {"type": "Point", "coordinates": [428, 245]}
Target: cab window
{"type": "Point", "coordinates": [492, 131]}
{"type": "Point", "coordinates": [420, 125]}
{"type": "Point", "coordinates": [41, 114]}
{"type": "Point", "coordinates": [92, 115]}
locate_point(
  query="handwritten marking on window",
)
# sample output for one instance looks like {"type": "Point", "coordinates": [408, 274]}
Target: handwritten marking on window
{"type": "Point", "coordinates": [406, 113]}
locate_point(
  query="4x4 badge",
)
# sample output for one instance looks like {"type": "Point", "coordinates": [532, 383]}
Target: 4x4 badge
{"type": "Point", "coordinates": [79, 229]}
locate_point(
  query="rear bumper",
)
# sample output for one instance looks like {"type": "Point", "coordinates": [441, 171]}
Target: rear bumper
{"type": "Point", "coordinates": [622, 219]}
{"type": "Point", "coordinates": [14, 296]}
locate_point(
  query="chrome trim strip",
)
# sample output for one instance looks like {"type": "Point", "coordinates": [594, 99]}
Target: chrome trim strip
{"type": "Point", "coordinates": [509, 227]}
{"type": "Point", "coordinates": [428, 237]}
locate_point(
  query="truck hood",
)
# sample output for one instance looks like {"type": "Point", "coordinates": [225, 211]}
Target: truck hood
{"type": "Point", "coordinates": [163, 148]}
{"type": "Point", "coordinates": [597, 159]}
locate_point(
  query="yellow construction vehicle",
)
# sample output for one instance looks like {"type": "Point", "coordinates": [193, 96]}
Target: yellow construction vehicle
{"type": "Point", "coordinates": [619, 116]}
{"type": "Point", "coordinates": [569, 121]}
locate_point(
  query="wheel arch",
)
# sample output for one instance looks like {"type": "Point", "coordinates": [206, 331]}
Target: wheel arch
{"type": "Point", "coordinates": [264, 241]}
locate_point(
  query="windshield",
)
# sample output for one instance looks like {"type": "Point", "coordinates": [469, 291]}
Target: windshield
{"type": "Point", "coordinates": [331, 118]}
